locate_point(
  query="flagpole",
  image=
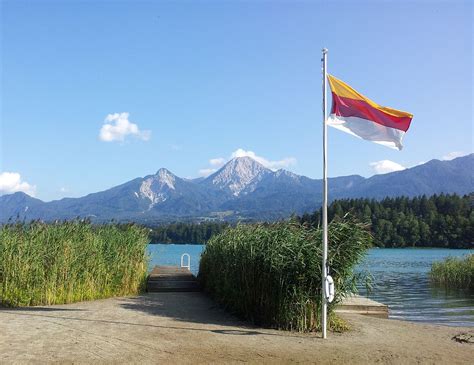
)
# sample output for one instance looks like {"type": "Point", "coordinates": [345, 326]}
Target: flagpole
{"type": "Point", "coordinates": [325, 198]}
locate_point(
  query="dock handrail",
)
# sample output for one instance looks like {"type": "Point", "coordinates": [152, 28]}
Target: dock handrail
{"type": "Point", "coordinates": [188, 266]}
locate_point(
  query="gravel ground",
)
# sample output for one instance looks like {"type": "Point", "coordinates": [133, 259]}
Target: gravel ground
{"type": "Point", "coordinates": [189, 328]}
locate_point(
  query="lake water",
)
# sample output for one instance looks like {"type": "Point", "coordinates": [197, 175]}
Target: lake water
{"type": "Point", "coordinates": [170, 254]}
{"type": "Point", "coordinates": [400, 280]}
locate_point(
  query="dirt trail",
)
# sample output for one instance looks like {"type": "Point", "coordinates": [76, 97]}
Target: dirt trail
{"type": "Point", "coordinates": [190, 328]}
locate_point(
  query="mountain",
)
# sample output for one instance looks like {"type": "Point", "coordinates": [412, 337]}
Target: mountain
{"type": "Point", "coordinates": [433, 177]}
{"type": "Point", "coordinates": [241, 189]}
{"type": "Point", "coordinates": [17, 205]}
{"type": "Point", "coordinates": [240, 176]}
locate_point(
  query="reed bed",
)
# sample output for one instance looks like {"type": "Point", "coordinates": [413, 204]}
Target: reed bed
{"type": "Point", "coordinates": [43, 264]}
{"type": "Point", "coordinates": [454, 272]}
{"type": "Point", "coordinates": [270, 274]}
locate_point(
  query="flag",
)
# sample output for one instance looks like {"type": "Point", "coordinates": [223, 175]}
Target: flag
{"type": "Point", "coordinates": [358, 115]}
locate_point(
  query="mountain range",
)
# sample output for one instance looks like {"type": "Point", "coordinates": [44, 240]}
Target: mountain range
{"type": "Point", "coordinates": [243, 189]}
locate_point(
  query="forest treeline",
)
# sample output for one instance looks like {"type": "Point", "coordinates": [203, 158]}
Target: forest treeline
{"type": "Point", "coordinates": [186, 232]}
{"type": "Point", "coordinates": [436, 221]}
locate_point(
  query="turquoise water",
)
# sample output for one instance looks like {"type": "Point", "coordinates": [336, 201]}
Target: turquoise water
{"type": "Point", "coordinates": [400, 278]}
{"type": "Point", "coordinates": [169, 254]}
{"type": "Point", "coordinates": [402, 282]}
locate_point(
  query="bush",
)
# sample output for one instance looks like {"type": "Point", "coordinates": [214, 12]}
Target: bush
{"type": "Point", "coordinates": [69, 262]}
{"type": "Point", "coordinates": [454, 272]}
{"type": "Point", "coordinates": [270, 274]}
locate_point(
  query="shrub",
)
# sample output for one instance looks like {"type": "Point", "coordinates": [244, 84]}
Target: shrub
{"type": "Point", "coordinates": [70, 261]}
{"type": "Point", "coordinates": [270, 274]}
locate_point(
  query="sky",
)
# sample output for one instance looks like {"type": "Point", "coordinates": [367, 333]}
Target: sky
{"type": "Point", "coordinates": [96, 93]}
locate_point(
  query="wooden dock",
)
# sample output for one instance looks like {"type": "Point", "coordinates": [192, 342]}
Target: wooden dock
{"type": "Point", "coordinates": [171, 279]}
{"type": "Point", "coordinates": [180, 279]}
{"type": "Point", "coordinates": [362, 305]}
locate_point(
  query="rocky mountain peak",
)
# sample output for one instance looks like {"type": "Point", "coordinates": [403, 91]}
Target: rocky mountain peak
{"type": "Point", "coordinates": [156, 187]}
{"type": "Point", "coordinates": [166, 177]}
{"type": "Point", "coordinates": [238, 174]}
{"type": "Point", "coordinates": [286, 173]}
{"type": "Point", "coordinates": [244, 166]}
{"type": "Point", "coordinates": [241, 188]}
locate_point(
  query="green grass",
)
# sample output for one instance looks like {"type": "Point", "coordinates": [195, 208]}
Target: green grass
{"type": "Point", "coordinates": [454, 272]}
{"type": "Point", "coordinates": [270, 274]}
{"type": "Point", "coordinates": [43, 264]}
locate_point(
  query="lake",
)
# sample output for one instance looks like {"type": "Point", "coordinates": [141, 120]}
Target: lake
{"type": "Point", "coordinates": [400, 278]}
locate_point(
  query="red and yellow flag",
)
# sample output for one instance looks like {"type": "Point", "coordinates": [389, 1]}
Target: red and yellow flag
{"type": "Point", "coordinates": [358, 115]}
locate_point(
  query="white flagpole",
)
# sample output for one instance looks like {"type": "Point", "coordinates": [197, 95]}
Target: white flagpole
{"type": "Point", "coordinates": [325, 197]}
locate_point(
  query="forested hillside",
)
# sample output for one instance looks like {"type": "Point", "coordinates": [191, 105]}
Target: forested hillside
{"type": "Point", "coordinates": [436, 221]}
{"type": "Point", "coordinates": [186, 232]}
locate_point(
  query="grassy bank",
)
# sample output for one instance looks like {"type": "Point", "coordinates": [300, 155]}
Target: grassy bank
{"type": "Point", "coordinates": [70, 261]}
{"type": "Point", "coordinates": [271, 273]}
{"type": "Point", "coordinates": [454, 272]}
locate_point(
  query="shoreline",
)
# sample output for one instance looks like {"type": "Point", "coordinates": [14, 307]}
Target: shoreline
{"type": "Point", "coordinates": [190, 328]}
{"type": "Point", "coordinates": [374, 247]}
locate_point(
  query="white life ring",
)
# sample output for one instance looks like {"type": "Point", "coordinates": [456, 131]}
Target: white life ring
{"type": "Point", "coordinates": [329, 289]}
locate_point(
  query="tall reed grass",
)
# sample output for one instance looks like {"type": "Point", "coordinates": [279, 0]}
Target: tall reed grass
{"type": "Point", "coordinates": [271, 273]}
{"type": "Point", "coordinates": [454, 272]}
{"type": "Point", "coordinates": [70, 261]}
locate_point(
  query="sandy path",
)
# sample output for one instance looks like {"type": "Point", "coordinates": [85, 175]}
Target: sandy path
{"type": "Point", "coordinates": [190, 328]}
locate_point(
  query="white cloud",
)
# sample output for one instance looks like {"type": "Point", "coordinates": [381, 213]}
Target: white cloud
{"type": "Point", "coordinates": [206, 172]}
{"type": "Point", "coordinates": [218, 162]}
{"type": "Point", "coordinates": [386, 166]}
{"type": "Point", "coordinates": [453, 155]}
{"type": "Point", "coordinates": [63, 189]}
{"type": "Point", "coordinates": [10, 182]}
{"type": "Point", "coordinates": [273, 165]}
{"type": "Point", "coordinates": [117, 127]}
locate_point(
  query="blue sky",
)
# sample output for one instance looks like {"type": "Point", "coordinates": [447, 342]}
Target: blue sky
{"type": "Point", "coordinates": [207, 80]}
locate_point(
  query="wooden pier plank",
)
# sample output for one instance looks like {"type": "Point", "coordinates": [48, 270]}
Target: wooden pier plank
{"type": "Point", "coordinates": [171, 279]}
{"type": "Point", "coordinates": [179, 279]}
{"type": "Point", "coordinates": [362, 305]}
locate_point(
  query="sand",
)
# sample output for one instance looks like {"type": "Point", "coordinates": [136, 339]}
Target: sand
{"type": "Point", "coordinates": [189, 328]}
